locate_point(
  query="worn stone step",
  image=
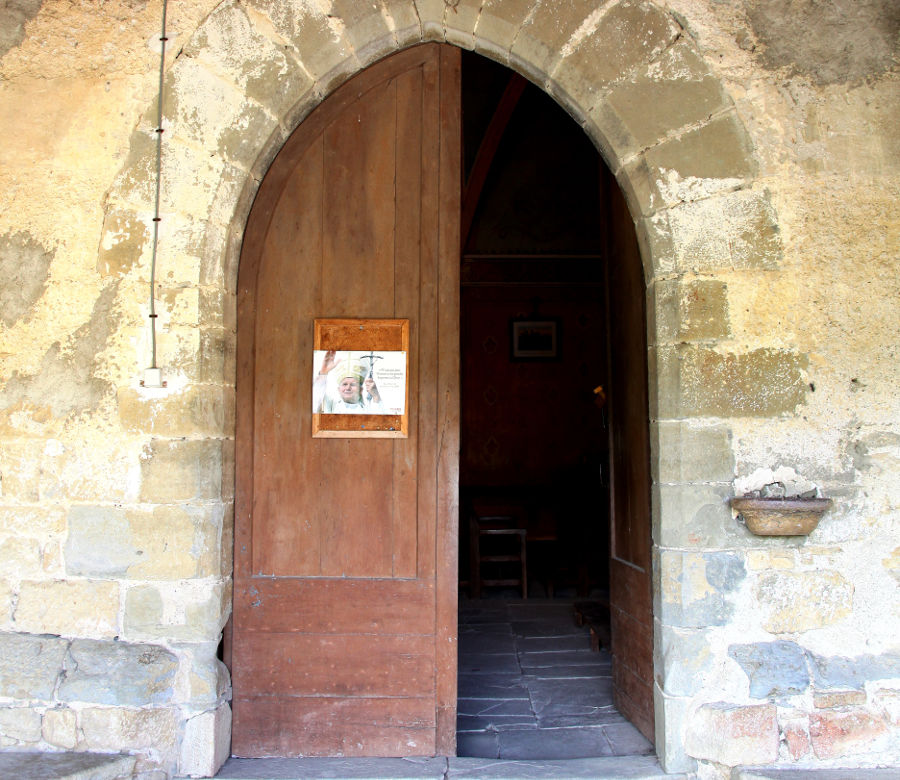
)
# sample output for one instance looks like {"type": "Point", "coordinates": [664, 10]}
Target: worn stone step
{"type": "Point", "coordinates": [66, 766]}
{"type": "Point", "coordinates": [812, 773]}
{"type": "Point", "coordinates": [607, 768]}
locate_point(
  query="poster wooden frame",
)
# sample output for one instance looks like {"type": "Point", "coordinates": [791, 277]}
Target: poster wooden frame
{"type": "Point", "coordinates": [344, 334]}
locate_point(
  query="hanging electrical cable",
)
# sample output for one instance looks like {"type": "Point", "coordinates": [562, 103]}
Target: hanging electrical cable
{"type": "Point", "coordinates": [153, 375]}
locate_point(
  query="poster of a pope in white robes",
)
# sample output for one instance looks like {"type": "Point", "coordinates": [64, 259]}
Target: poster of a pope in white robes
{"type": "Point", "coordinates": [359, 382]}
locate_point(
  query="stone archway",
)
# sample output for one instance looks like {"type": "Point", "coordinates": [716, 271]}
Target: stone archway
{"type": "Point", "coordinates": [629, 74]}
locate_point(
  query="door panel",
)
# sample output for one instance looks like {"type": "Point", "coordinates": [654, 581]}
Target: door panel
{"type": "Point", "coordinates": [631, 605]}
{"type": "Point", "coordinates": [343, 610]}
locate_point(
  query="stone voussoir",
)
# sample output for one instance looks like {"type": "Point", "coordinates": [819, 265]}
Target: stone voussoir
{"type": "Point", "coordinates": [230, 45]}
{"type": "Point", "coordinates": [668, 94]}
{"type": "Point", "coordinates": [711, 159]}
{"type": "Point", "coordinates": [627, 36]}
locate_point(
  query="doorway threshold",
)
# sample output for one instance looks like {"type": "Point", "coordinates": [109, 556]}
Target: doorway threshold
{"type": "Point", "coordinates": [444, 768]}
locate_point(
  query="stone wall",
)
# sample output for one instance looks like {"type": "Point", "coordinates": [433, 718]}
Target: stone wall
{"type": "Point", "coordinates": [761, 160]}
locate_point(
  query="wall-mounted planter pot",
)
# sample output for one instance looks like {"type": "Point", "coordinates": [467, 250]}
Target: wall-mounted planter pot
{"type": "Point", "coordinates": [781, 516]}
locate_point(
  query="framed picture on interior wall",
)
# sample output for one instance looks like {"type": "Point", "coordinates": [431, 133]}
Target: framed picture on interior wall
{"type": "Point", "coordinates": [534, 339]}
{"type": "Point", "coordinates": [359, 382]}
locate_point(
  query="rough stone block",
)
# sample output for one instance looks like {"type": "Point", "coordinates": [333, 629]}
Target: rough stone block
{"type": "Point", "coordinates": [796, 738]}
{"type": "Point", "coordinates": [823, 700]}
{"type": "Point", "coordinates": [58, 728]}
{"type": "Point", "coordinates": [760, 560]}
{"type": "Point", "coordinates": [731, 734]}
{"type": "Point", "coordinates": [672, 92]}
{"type": "Point", "coordinates": [854, 672]}
{"type": "Point", "coordinates": [30, 665]}
{"type": "Point", "coordinates": [216, 309]}
{"type": "Point", "coordinates": [694, 310]}
{"type": "Point", "coordinates": [118, 673]}
{"type": "Point", "coordinates": [171, 542]}
{"type": "Point", "coordinates": [694, 587]}
{"type": "Point", "coordinates": [181, 471]}
{"type": "Point", "coordinates": [684, 452]}
{"type": "Point", "coordinates": [736, 230]}
{"type": "Point", "coordinates": [609, 46]}
{"type": "Point", "coordinates": [711, 159]}
{"type": "Point", "coordinates": [696, 515]}
{"type": "Point", "coordinates": [77, 608]}
{"type": "Point", "coordinates": [800, 601]}
{"type": "Point", "coordinates": [317, 40]}
{"type": "Point", "coordinates": [20, 465]}
{"type": "Point", "coordinates": [34, 522]}
{"type": "Point", "coordinates": [887, 702]}
{"type": "Point", "coordinates": [20, 557]}
{"type": "Point", "coordinates": [207, 676]}
{"type": "Point", "coordinates": [702, 382]}
{"type": "Point", "coordinates": [195, 410]}
{"type": "Point", "coordinates": [683, 659]}
{"type": "Point", "coordinates": [115, 729]}
{"type": "Point", "coordinates": [19, 725]}
{"type": "Point", "coordinates": [840, 733]}
{"type": "Point", "coordinates": [183, 612]}
{"type": "Point", "coordinates": [671, 716]}
{"type": "Point", "coordinates": [206, 743]}
{"type": "Point", "coordinates": [230, 45]}
{"type": "Point", "coordinates": [655, 240]}
{"type": "Point", "coordinates": [6, 604]}
{"type": "Point", "coordinates": [773, 668]}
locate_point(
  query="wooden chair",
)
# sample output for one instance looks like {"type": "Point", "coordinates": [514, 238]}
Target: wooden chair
{"type": "Point", "coordinates": [500, 557]}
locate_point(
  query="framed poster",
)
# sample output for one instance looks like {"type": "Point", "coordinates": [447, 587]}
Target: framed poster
{"type": "Point", "coordinates": [534, 339]}
{"type": "Point", "coordinates": [360, 385]}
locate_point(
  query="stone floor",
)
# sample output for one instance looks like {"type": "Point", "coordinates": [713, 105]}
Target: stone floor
{"type": "Point", "coordinates": [530, 687]}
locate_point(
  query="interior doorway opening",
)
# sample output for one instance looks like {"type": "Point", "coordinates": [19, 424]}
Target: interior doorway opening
{"type": "Point", "coordinates": [542, 226]}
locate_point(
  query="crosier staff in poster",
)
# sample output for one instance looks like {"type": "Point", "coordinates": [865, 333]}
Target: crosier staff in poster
{"type": "Point", "coordinates": [356, 390]}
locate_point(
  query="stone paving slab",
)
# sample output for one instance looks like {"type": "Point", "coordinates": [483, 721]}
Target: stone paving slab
{"type": "Point", "coordinates": [469, 723]}
{"type": "Point", "coordinates": [66, 766]}
{"type": "Point", "coordinates": [539, 644]}
{"type": "Point", "coordinates": [557, 672]}
{"type": "Point", "coordinates": [558, 743]}
{"type": "Point", "coordinates": [489, 663]}
{"type": "Point", "coordinates": [491, 686]}
{"type": "Point", "coordinates": [626, 740]}
{"type": "Point", "coordinates": [549, 628]}
{"type": "Point", "coordinates": [546, 659]}
{"type": "Point", "coordinates": [579, 697]}
{"type": "Point", "coordinates": [486, 642]}
{"type": "Point", "coordinates": [488, 707]}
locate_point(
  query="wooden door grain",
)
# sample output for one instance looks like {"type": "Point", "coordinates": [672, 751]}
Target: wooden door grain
{"type": "Point", "coordinates": [344, 574]}
{"type": "Point", "coordinates": [631, 603]}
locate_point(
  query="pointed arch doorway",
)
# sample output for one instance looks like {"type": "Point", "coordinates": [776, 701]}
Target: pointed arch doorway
{"type": "Point", "coordinates": [548, 242]}
{"type": "Point", "coordinates": [345, 575]}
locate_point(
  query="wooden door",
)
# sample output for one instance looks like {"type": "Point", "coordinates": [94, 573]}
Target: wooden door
{"type": "Point", "coordinates": [344, 627]}
{"type": "Point", "coordinates": [631, 602]}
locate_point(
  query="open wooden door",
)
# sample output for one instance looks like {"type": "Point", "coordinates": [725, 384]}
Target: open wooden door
{"type": "Point", "coordinates": [631, 602]}
{"type": "Point", "coordinates": [344, 626]}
